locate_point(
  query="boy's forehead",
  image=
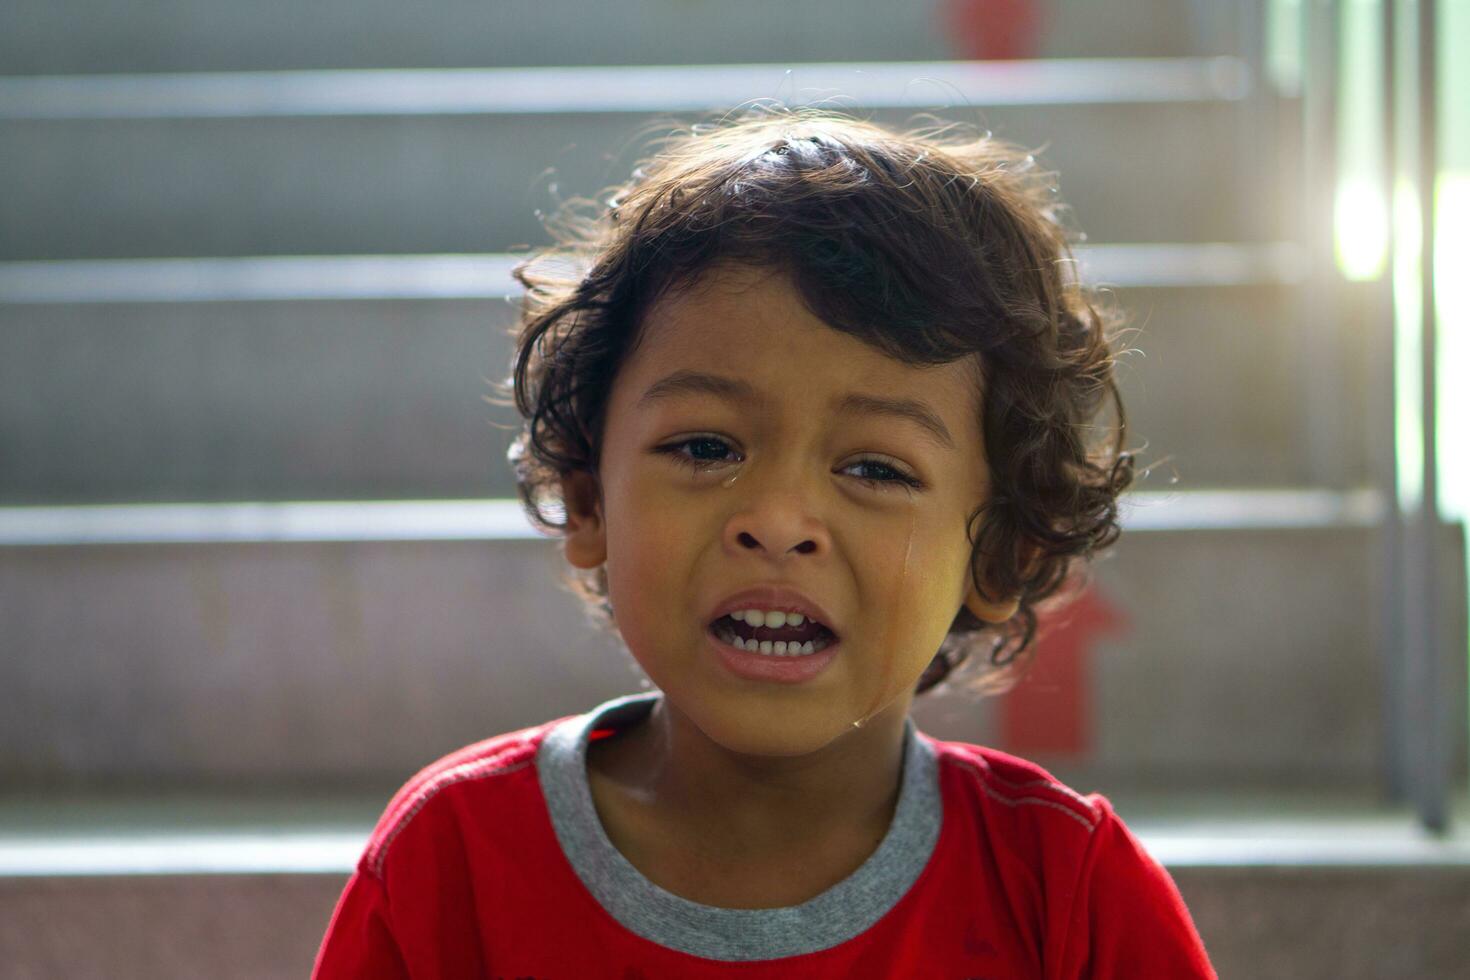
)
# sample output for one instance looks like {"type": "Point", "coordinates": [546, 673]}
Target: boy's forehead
{"type": "Point", "coordinates": [726, 302]}
{"type": "Point", "coordinates": [752, 324]}
{"type": "Point", "coordinates": [735, 311]}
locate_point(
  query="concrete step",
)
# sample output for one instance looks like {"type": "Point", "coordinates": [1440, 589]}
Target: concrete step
{"type": "Point", "coordinates": [38, 37]}
{"type": "Point", "coordinates": [1222, 654]}
{"type": "Point", "coordinates": [282, 399]}
{"type": "Point", "coordinates": [1346, 888]}
{"type": "Point", "coordinates": [332, 400]}
{"type": "Point", "coordinates": [435, 183]}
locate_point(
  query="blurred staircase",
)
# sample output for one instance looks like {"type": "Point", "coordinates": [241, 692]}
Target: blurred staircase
{"type": "Point", "coordinates": [259, 560]}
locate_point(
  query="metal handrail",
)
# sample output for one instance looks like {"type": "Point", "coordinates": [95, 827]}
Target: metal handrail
{"type": "Point", "coordinates": [504, 520]}
{"type": "Point", "coordinates": [487, 275]}
{"type": "Point", "coordinates": [630, 89]}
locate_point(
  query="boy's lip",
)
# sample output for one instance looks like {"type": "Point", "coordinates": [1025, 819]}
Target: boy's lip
{"type": "Point", "coordinates": [774, 597]}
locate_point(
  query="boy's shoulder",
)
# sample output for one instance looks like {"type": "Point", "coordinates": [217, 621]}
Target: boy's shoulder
{"type": "Point", "coordinates": [489, 765]}
{"type": "Point", "coordinates": [1008, 784]}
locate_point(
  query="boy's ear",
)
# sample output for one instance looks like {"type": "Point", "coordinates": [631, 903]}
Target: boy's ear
{"type": "Point", "coordinates": [988, 611]}
{"type": "Point", "coordinates": [586, 534]}
{"type": "Point", "coordinates": [992, 611]}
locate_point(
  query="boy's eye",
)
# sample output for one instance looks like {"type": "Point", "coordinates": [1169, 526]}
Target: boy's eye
{"type": "Point", "coordinates": [705, 452]}
{"type": "Point", "coordinates": [886, 473]}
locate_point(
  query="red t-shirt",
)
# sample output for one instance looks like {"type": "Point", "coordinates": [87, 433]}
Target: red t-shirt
{"type": "Point", "coordinates": [491, 863]}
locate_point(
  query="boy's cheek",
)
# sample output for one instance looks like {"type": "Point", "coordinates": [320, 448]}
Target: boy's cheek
{"type": "Point", "coordinates": [652, 547]}
{"type": "Point", "coordinates": [921, 599]}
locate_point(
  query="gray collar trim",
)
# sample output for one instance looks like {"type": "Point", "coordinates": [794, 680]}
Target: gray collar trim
{"type": "Point", "coordinates": [845, 910]}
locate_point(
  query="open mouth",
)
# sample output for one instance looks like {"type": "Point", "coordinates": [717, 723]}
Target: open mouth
{"type": "Point", "coordinates": [774, 641]}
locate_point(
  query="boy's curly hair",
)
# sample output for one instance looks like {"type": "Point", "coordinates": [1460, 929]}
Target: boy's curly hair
{"type": "Point", "coordinates": [931, 245]}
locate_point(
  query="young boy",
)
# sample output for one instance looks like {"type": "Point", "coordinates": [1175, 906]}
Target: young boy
{"type": "Point", "coordinates": [813, 426]}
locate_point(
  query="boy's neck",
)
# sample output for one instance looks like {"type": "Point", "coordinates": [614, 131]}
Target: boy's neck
{"type": "Point", "coordinates": [667, 774]}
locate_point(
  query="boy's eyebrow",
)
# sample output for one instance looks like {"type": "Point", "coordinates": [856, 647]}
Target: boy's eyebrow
{"type": "Point", "coordinates": [736, 390]}
{"type": "Point", "coordinates": [903, 408]}
{"type": "Point", "coordinates": [699, 383]}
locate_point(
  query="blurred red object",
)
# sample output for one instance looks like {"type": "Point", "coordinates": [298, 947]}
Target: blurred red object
{"type": "Point", "coordinates": [992, 29]}
{"type": "Point", "coordinates": [1050, 712]}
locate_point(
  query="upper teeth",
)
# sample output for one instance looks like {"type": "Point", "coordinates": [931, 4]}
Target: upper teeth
{"type": "Point", "coordinates": [757, 617]}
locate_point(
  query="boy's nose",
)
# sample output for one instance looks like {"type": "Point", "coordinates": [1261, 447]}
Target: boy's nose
{"type": "Point", "coordinates": [751, 543]}
{"type": "Point", "coordinates": [775, 528]}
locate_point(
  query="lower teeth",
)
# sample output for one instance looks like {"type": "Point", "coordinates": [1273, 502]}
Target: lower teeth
{"type": "Point", "coordinates": [792, 650]}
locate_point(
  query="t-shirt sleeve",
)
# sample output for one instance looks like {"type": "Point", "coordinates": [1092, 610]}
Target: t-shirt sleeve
{"type": "Point", "coordinates": [359, 942]}
{"type": "Point", "coordinates": [1127, 917]}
